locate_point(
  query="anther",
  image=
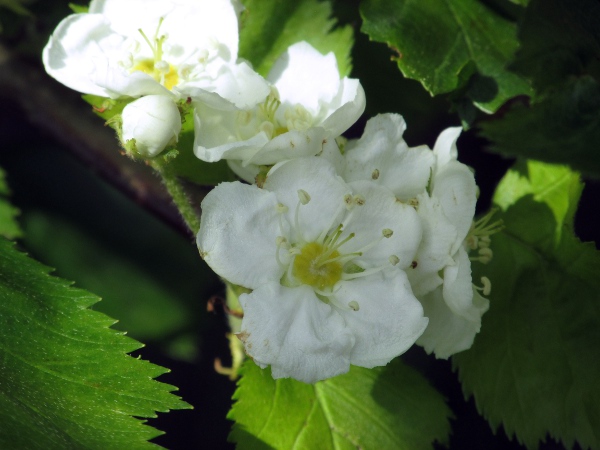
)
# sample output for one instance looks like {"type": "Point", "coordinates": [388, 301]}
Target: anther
{"type": "Point", "coordinates": [359, 200]}
{"type": "Point", "coordinates": [485, 255]}
{"type": "Point", "coordinates": [487, 286]}
{"type": "Point", "coordinates": [375, 174]}
{"type": "Point", "coordinates": [394, 260]}
{"type": "Point", "coordinates": [281, 208]}
{"type": "Point", "coordinates": [349, 201]}
{"type": "Point", "coordinates": [387, 233]}
{"type": "Point", "coordinates": [354, 305]}
{"type": "Point", "coordinates": [303, 196]}
{"type": "Point", "coordinates": [162, 66]}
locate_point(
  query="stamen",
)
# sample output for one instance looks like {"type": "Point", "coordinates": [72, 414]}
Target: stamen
{"type": "Point", "coordinates": [348, 201]}
{"type": "Point", "coordinates": [375, 174]}
{"type": "Point", "coordinates": [393, 259]}
{"type": "Point", "coordinates": [387, 233]}
{"type": "Point", "coordinates": [352, 276]}
{"type": "Point", "coordinates": [354, 305]}
{"type": "Point", "coordinates": [359, 200]}
{"type": "Point", "coordinates": [303, 196]}
{"type": "Point", "coordinates": [486, 289]}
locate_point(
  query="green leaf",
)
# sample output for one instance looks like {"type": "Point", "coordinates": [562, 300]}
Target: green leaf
{"type": "Point", "coordinates": [562, 128]}
{"type": "Point", "coordinates": [9, 228]}
{"type": "Point", "coordinates": [269, 27]}
{"type": "Point", "coordinates": [389, 407]}
{"type": "Point", "coordinates": [534, 367]}
{"type": "Point", "coordinates": [560, 54]}
{"type": "Point", "coordinates": [145, 309]}
{"type": "Point", "coordinates": [66, 380]}
{"type": "Point", "coordinates": [559, 39]}
{"type": "Point", "coordinates": [15, 6]}
{"type": "Point", "coordinates": [78, 9]}
{"type": "Point", "coordinates": [449, 46]}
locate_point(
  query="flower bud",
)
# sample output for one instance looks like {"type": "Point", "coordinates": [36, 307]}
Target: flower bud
{"type": "Point", "coordinates": [153, 121]}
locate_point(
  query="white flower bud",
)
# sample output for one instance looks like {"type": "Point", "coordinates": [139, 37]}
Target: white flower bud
{"type": "Point", "coordinates": [153, 121]}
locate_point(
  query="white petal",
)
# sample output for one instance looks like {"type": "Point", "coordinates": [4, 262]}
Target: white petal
{"type": "Point", "coordinates": [117, 82]}
{"type": "Point", "coordinates": [346, 108]}
{"type": "Point", "coordinates": [326, 190]}
{"type": "Point", "coordinates": [187, 23]}
{"type": "Point", "coordinates": [455, 187]}
{"type": "Point", "coordinates": [389, 318]}
{"type": "Point", "coordinates": [290, 145]}
{"type": "Point", "coordinates": [304, 76]}
{"type": "Point", "coordinates": [296, 333]}
{"type": "Point", "coordinates": [445, 146]}
{"type": "Point", "coordinates": [435, 250]}
{"type": "Point", "coordinates": [241, 85]}
{"type": "Point", "coordinates": [153, 121]}
{"type": "Point", "coordinates": [448, 333]}
{"type": "Point", "coordinates": [458, 288]}
{"type": "Point", "coordinates": [238, 233]}
{"type": "Point", "coordinates": [247, 173]}
{"type": "Point", "coordinates": [76, 48]}
{"type": "Point", "coordinates": [381, 211]}
{"type": "Point", "coordinates": [381, 148]}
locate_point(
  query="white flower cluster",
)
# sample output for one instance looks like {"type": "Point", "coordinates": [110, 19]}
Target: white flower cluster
{"type": "Point", "coordinates": [351, 257]}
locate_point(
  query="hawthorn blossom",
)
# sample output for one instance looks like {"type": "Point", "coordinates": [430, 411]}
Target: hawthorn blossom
{"type": "Point", "coordinates": [444, 194]}
{"type": "Point", "coordinates": [307, 107]}
{"type": "Point", "coordinates": [174, 48]}
{"type": "Point", "coordinates": [325, 261]}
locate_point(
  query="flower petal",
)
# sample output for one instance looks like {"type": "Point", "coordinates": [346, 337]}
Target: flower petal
{"type": "Point", "coordinates": [296, 333]}
{"type": "Point", "coordinates": [237, 237]}
{"type": "Point", "coordinates": [79, 44]}
{"type": "Point", "coordinates": [381, 211]}
{"type": "Point", "coordinates": [439, 237]}
{"type": "Point", "coordinates": [458, 288]}
{"type": "Point", "coordinates": [304, 76]}
{"type": "Point", "coordinates": [389, 318]}
{"type": "Point", "coordinates": [381, 148]}
{"type": "Point", "coordinates": [188, 23]}
{"type": "Point", "coordinates": [346, 108]}
{"type": "Point", "coordinates": [448, 333]}
{"type": "Point", "coordinates": [326, 189]}
{"type": "Point", "coordinates": [445, 147]}
{"type": "Point", "coordinates": [290, 145]}
{"type": "Point", "coordinates": [455, 187]}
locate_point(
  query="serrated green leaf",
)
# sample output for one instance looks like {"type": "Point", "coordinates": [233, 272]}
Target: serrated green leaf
{"type": "Point", "coordinates": [447, 44]}
{"type": "Point", "coordinates": [389, 407]}
{"type": "Point", "coordinates": [560, 54]}
{"type": "Point", "coordinates": [535, 365]}
{"type": "Point", "coordinates": [269, 27]}
{"type": "Point", "coordinates": [562, 128]}
{"type": "Point", "coordinates": [144, 308]}
{"type": "Point", "coordinates": [66, 380]}
{"type": "Point", "coordinates": [9, 228]}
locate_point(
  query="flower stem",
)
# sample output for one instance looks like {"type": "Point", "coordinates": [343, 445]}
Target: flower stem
{"type": "Point", "coordinates": [175, 189]}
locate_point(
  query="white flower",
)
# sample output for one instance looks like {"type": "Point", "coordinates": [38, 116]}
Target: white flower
{"type": "Point", "coordinates": [153, 121]}
{"type": "Point", "coordinates": [444, 193]}
{"type": "Point", "coordinates": [141, 47]}
{"type": "Point", "coordinates": [308, 105]}
{"type": "Point", "coordinates": [325, 261]}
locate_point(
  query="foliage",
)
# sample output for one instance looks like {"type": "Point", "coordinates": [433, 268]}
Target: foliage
{"type": "Point", "coordinates": [449, 46]}
{"type": "Point", "coordinates": [391, 407]}
{"type": "Point", "coordinates": [534, 365]}
{"type": "Point", "coordinates": [66, 378]}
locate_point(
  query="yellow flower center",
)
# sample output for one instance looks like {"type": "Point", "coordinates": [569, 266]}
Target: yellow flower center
{"type": "Point", "coordinates": [168, 79]}
{"type": "Point", "coordinates": [318, 266]}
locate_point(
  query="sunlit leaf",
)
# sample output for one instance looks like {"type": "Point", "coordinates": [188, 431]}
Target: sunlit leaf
{"type": "Point", "coordinates": [535, 365]}
{"type": "Point", "coordinates": [66, 380]}
{"type": "Point", "coordinates": [391, 407]}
